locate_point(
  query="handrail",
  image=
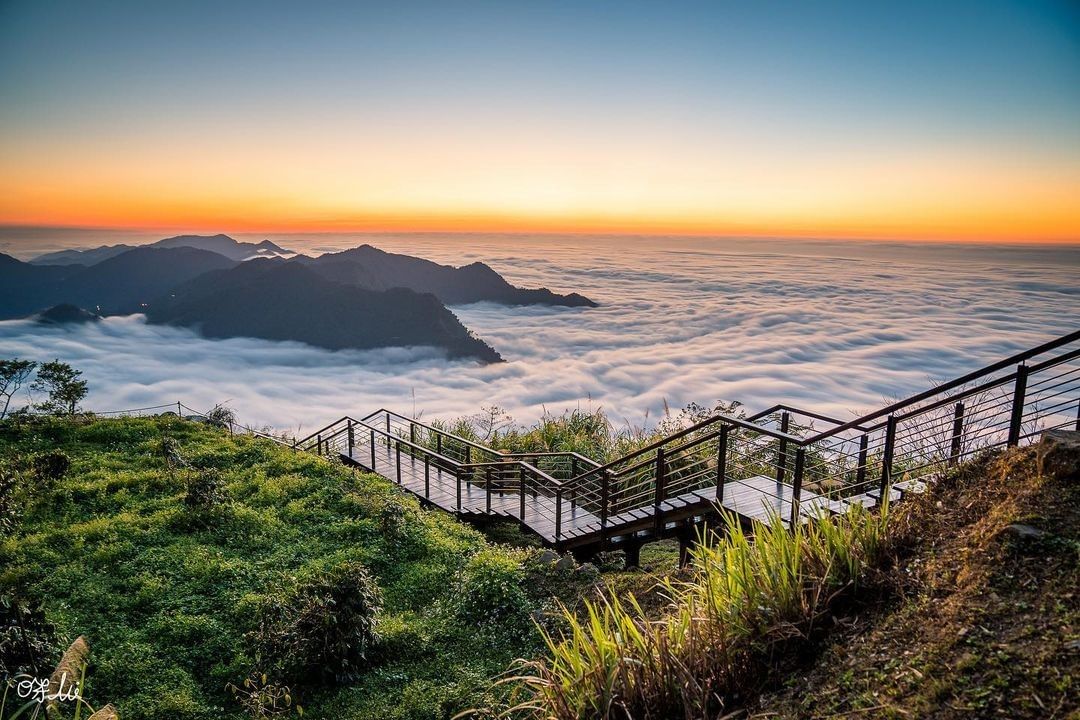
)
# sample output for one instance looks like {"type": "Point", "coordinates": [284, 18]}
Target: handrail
{"type": "Point", "coordinates": [551, 453]}
{"type": "Point", "coordinates": [479, 446]}
{"type": "Point", "coordinates": [722, 419]}
{"type": "Point", "coordinates": [416, 422]}
{"type": "Point", "coordinates": [796, 411]}
{"type": "Point", "coordinates": [321, 430]}
{"type": "Point", "coordinates": [945, 387]}
{"type": "Point", "coordinates": [426, 450]}
{"type": "Point", "coordinates": [514, 463]}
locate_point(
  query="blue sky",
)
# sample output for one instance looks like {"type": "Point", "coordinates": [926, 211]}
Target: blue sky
{"type": "Point", "coordinates": [601, 90]}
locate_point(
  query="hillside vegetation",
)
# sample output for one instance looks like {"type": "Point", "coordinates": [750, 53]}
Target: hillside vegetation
{"type": "Point", "coordinates": [191, 559]}
{"type": "Point", "coordinates": [958, 603]}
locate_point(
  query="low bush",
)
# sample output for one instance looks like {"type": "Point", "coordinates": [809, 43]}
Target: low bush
{"type": "Point", "coordinates": [9, 503]}
{"type": "Point", "coordinates": [205, 490]}
{"type": "Point", "coordinates": [489, 592]}
{"type": "Point", "coordinates": [48, 467]}
{"type": "Point", "coordinates": [324, 625]}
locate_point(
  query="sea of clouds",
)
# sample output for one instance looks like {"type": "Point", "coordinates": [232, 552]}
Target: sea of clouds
{"type": "Point", "coordinates": [835, 327]}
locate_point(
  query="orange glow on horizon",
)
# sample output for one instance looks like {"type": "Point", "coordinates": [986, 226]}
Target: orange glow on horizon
{"type": "Point", "coordinates": [514, 186]}
{"type": "Point", "coordinates": [1000, 227]}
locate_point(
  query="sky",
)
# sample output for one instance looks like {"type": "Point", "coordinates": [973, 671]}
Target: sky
{"type": "Point", "coordinates": [918, 120]}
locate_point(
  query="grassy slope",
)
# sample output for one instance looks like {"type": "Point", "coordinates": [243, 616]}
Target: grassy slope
{"type": "Point", "coordinates": [165, 603]}
{"type": "Point", "coordinates": [981, 625]}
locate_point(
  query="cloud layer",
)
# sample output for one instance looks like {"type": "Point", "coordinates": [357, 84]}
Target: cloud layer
{"type": "Point", "coordinates": [835, 328]}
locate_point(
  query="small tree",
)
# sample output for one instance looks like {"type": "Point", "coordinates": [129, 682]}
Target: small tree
{"type": "Point", "coordinates": [62, 383]}
{"type": "Point", "coordinates": [13, 374]}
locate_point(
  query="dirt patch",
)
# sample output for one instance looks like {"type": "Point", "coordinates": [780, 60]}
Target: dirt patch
{"type": "Point", "coordinates": [978, 612]}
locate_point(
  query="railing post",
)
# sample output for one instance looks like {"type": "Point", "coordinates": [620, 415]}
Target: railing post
{"type": "Point", "coordinates": [427, 476]}
{"type": "Point", "coordinates": [658, 497]}
{"type": "Point", "coordinates": [957, 434]}
{"type": "Point", "coordinates": [1018, 405]}
{"type": "Point", "coordinates": [457, 478]}
{"type": "Point", "coordinates": [372, 451]}
{"type": "Point", "coordinates": [352, 442]}
{"type": "Point", "coordinates": [1078, 416]}
{"type": "Point", "coordinates": [412, 432]}
{"type": "Point", "coordinates": [605, 494]}
{"type": "Point", "coordinates": [558, 514]}
{"type": "Point", "coordinates": [860, 470]}
{"type": "Point", "coordinates": [721, 463]}
{"type": "Point", "coordinates": [573, 466]}
{"type": "Point", "coordinates": [179, 410]}
{"type": "Point", "coordinates": [388, 430]}
{"type": "Point", "coordinates": [781, 464]}
{"type": "Point", "coordinates": [887, 456]}
{"type": "Point", "coordinates": [318, 445]}
{"type": "Point", "coordinates": [521, 492]}
{"type": "Point", "coordinates": [487, 488]}
{"type": "Point", "coordinates": [397, 446]}
{"type": "Point", "coordinates": [468, 454]}
{"type": "Point", "coordinates": [796, 489]}
{"type": "Point", "coordinates": [438, 442]}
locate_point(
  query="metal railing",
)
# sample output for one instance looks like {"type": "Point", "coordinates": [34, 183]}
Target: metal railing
{"type": "Point", "coordinates": [778, 454]}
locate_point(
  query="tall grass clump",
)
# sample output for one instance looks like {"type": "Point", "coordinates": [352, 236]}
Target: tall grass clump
{"type": "Point", "coordinates": [747, 596]}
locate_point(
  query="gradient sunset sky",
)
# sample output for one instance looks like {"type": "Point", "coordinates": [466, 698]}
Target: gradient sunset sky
{"type": "Point", "coordinates": [949, 120]}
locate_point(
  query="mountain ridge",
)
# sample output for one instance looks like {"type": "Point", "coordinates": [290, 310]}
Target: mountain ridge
{"type": "Point", "coordinates": [220, 243]}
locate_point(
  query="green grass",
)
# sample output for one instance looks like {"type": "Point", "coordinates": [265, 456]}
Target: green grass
{"type": "Point", "coordinates": [167, 595]}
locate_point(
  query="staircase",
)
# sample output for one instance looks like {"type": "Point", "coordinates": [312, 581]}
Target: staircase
{"type": "Point", "coordinates": [774, 464]}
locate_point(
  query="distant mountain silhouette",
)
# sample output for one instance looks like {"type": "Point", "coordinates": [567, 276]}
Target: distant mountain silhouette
{"type": "Point", "coordinates": [277, 300]}
{"type": "Point", "coordinates": [374, 269]}
{"type": "Point", "coordinates": [220, 244]}
{"type": "Point", "coordinates": [119, 285]}
{"type": "Point", "coordinates": [361, 298]}
{"type": "Point", "coordinates": [66, 314]}
{"type": "Point", "coordinates": [90, 256]}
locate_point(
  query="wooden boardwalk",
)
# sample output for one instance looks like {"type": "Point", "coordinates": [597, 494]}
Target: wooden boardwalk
{"type": "Point", "coordinates": [755, 498]}
{"type": "Point", "coordinates": [770, 466]}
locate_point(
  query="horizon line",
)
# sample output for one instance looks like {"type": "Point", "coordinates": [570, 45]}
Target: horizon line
{"type": "Point", "coordinates": [810, 236]}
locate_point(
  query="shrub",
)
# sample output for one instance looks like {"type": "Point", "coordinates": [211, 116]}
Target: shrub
{"type": "Point", "coordinates": [222, 416]}
{"type": "Point", "coordinates": [27, 640]}
{"type": "Point", "coordinates": [9, 506]}
{"type": "Point", "coordinates": [204, 490]}
{"type": "Point", "coordinates": [263, 700]}
{"type": "Point", "coordinates": [325, 625]}
{"type": "Point", "coordinates": [170, 453]}
{"type": "Point", "coordinates": [48, 467]}
{"type": "Point", "coordinates": [489, 592]}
